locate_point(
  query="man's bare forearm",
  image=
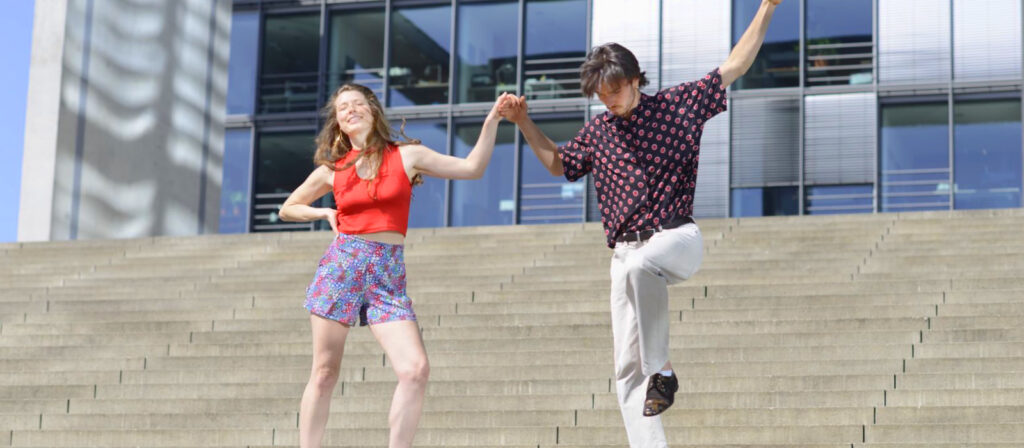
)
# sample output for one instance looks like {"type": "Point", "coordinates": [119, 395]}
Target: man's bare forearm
{"type": "Point", "coordinates": [543, 147]}
{"type": "Point", "coordinates": [743, 54]}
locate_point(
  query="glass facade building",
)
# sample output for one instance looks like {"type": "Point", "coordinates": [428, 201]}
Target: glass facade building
{"type": "Point", "coordinates": [852, 106]}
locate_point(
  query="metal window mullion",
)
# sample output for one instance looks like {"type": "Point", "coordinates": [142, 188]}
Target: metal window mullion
{"type": "Point", "coordinates": [949, 104]}
{"type": "Point", "coordinates": [586, 112]}
{"type": "Point", "coordinates": [321, 76]}
{"type": "Point", "coordinates": [260, 17]}
{"type": "Point", "coordinates": [1022, 100]}
{"type": "Point", "coordinates": [260, 42]}
{"type": "Point", "coordinates": [517, 174]}
{"type": "Point", "coordinates": [449, 149]}
{"type": "Point", "coordinates": [253, 173]}
{"type": "Point", "coordinates": [801, 120]}
{"type": "Point", "coordinates": [385, 90]}
{"type": "Point", "coordinates": [517, 169]}
{"type": "Point", "coordinates": [520, 48]}
{"type": "Point", "coordinates": [321, 71]}
{"type": "Point", "coordinates": [251, 181]}
{"type": "Point", "coordinates": [728, 144]}
{"type": "Point", "coordinates": [876, 206]}
{"type": "Point", "coordinates": [452, 54]}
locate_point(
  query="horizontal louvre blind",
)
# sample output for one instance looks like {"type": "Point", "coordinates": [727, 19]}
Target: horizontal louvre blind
{"type": "Point", "coordinates": [711, 200]}
{"type": "Point", "coordinates": [986, 39]}
{"type": "Point", "coordinates": [695, 40]}
{"type": "Point", "coordinates": [765, 141]}
{"type": "Point", "coordinates": [839, 139]}
{"type": "Point", "coordinates": [913, 40]}
{"type": "Point", "coordinates": [634, 25]}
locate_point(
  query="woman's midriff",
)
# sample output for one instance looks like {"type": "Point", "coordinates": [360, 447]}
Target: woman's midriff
{"type": "Point", "coordinates": [394, 238]}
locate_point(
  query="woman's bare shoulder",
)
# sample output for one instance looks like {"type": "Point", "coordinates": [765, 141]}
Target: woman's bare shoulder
{"type": "Point", "coordinates": [324, 174]}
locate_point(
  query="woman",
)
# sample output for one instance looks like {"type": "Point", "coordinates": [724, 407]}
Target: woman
{"type": "Point", "coordinates": [361, 278]}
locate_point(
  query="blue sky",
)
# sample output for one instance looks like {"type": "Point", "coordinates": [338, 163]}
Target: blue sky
{"type": "Point", "coordinates": [16, 33]}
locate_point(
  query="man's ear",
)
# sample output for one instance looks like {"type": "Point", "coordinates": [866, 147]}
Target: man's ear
{"type": "Point", "coordinates": [636, 83]}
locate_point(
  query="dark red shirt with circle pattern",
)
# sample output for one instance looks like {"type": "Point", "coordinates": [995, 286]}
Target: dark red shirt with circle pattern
{"type": "Point", "coordinates": [645, 167]}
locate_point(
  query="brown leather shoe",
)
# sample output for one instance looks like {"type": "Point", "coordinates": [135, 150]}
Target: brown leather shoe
{"type": "Point", "coordinates": [661, 393]}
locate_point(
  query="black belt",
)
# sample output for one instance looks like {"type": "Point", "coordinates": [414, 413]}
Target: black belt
{"type": "Point", "coordinates": [643, 235]}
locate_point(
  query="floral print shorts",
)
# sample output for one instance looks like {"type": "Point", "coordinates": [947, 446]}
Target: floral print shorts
{"type": "Point", "coordinates": [360, 280]}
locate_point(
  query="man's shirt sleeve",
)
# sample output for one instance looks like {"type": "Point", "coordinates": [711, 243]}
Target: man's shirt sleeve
{"type": "Point", "coordinates": [699, 100]}
{"type": "Point", "coordinates": [577, 155]}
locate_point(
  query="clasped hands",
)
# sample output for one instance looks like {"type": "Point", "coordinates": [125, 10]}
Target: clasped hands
{"type": "Point", "coordinates": [509, 107]}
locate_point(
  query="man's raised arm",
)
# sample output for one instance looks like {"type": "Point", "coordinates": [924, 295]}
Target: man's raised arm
{"type": "Point", "coordinates": [742, 56]}
{"type": "Point", "coordinates": [544, 148]}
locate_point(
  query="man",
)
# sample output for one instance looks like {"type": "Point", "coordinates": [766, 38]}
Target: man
{"type": "Point", "coordinates": [643, 153]}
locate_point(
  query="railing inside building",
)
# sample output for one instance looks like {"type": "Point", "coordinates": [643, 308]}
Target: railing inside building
{"type": "Point", "coordinates": [266, 219]}
{"type": "Point", "coordinates": [840, 203]}
{"type": "Point", "coordinates": [372, 78]}
{"type": "Point", "coordinates": [288, 92]}
{"type": "Point", "coordinates": [831, 63]}
{"type": "Point", "coordinates": [915, 189]}
{"type": "Point", "coordinates": [552, 78]}
{"type": "Point", "coordinates": [551, 202]}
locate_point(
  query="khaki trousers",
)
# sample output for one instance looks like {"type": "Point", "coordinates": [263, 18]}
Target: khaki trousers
{"type": "Point", "coordinates": [640, 275]}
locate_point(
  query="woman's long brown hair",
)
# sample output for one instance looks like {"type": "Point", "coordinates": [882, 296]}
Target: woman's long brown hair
{"type": "Point", "coordinates": [333, 145]}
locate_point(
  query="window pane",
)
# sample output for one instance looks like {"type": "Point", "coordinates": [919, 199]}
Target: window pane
{"type": "Point", "coordinates": [356, 50]}
{"type": "Point", "coordinates": [555, 46]}
{"type": "Point", "coordinates": [487, 50]}
{"type": "Point", "coordinates": [839, 48]}
{"type": "Point", "coordinates": [768, 201]}
{"type": "Point", "coordinates": [778, 62]}
{"type": "Point", "coordinates": [987, 154]}
{"type": "Point", "coordinates": [427, 209]}
{"type": "Point", "coordinates": [915, 157]}
{"type": "Point", "coordinates": [291, 46]}
{"type": "Point", "coordinates": [245, 27]}
{"type": "Point", "coordinates": [488, 200]}
{"type": "Point", "coordinates": [420, 55]}
{"type": "Point", "coordinates": [914, 41]}
{"type": "Point", "coordinates": [283, 161]}
{"type": "Point", "coordinates": [546, 198]}
{"type": "Point", "coordinates": [234, 190]}
{"type": "Point", "coordinates": [834, 199]}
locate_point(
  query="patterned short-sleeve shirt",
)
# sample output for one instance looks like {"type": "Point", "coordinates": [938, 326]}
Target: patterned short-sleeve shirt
{"type": "Point", "coordinates": [645, 167]}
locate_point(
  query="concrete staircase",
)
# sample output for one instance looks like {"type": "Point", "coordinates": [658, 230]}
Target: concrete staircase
{"type": "Point", "coordinates": [895, 331]}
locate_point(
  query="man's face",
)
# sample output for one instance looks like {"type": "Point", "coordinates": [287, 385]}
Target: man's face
{"type": "Point", "coordinates": [620, 98]}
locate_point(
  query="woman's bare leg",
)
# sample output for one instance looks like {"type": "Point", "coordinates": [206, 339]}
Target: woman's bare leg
{"type": "Point", "coordinates": [404, 347]}
{"type": "Point", "coordinates": [328, 347]}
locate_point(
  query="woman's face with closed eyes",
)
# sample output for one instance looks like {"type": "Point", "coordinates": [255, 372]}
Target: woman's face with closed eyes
{"type": "Point", "coordinates": [353, 113]}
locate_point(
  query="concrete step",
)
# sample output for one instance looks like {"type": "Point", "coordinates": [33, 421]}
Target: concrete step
{"type": "Point", "coordinates": [238, 420]}
{"type": "Point", "coordinates": [440, 437]}
{"type": "Point", "coordinates": [960, 381]}
{"type": "Point", "coordinates": [964, 365]}
{"type": "Point", "coordinates": [974, 335]}
{"type": "Point", "coordinates": [944, 433]}
{"type": "Point", "coordinates": [865, 351]}
{"type": "Point", "coordinates": [115, 438]}
{"type": "Point", "coordinates": [777, 435]}
{"type": "Point", "coordinates": [892, 415]}
{"type": "Point", "coordinates": [958, 398]}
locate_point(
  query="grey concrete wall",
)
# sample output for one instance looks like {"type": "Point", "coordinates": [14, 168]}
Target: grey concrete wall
{"type": "Point", "coordinates": [140, 128]}
{"type": "Point", "coordinates": [41, 113]}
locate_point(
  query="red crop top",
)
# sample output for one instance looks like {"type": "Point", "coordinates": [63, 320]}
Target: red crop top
{"type": "Point", "coordinates": [386, 209]}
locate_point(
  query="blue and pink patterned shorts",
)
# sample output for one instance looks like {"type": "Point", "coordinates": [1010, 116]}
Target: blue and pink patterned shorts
{"type": "Point", "coordinates": [360, 280]}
